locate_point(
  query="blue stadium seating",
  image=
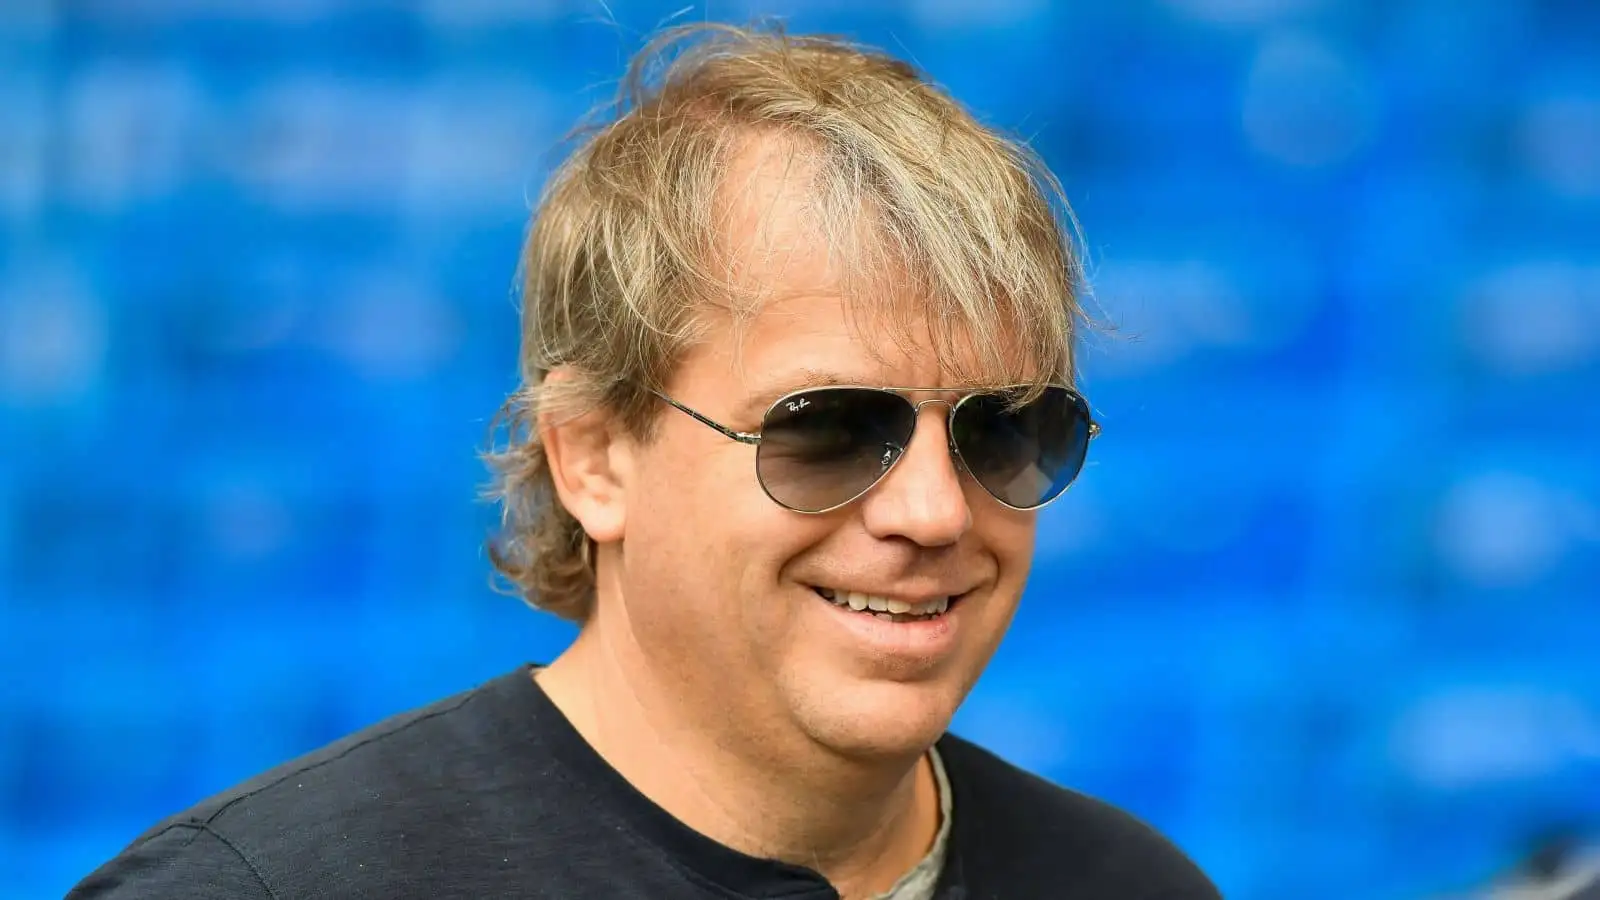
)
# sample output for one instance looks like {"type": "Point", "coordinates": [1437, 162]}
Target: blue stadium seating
{"type": "Point", "coordinates": [1325, 605]}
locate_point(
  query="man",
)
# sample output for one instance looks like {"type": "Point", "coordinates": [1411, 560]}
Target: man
{"type": "Point", "coordinates": [797, 362]}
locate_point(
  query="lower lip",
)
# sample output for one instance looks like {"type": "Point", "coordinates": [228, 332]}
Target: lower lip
{"type": "Point", "coordinates": [914, 638]}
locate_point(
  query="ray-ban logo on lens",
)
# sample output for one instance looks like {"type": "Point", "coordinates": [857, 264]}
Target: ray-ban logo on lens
{"type": "Point", "coordinates": [797, 405]}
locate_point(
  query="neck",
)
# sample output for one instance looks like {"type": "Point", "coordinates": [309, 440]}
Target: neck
{"type": "Point", "coordinates": [862, 824]}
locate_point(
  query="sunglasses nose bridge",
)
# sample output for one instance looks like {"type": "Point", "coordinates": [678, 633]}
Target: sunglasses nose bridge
{"type": "Point", "coordinates": [950, 410]}
{"type": "Point", "coordinates": [949, 424]}
{"type": "Point", "coordinates": [950, 405]}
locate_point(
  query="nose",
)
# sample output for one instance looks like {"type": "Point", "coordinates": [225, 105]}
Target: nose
{"type": "Point", "coordinates": [922, 498]}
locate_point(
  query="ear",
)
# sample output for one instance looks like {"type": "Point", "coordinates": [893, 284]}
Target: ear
{"type": "Point", "coordinates": [590, 458]}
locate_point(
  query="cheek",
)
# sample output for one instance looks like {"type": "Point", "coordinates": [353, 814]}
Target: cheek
{"type": "Point", "coordinates": [673, 528]}
{"type": "Point", "coordinates": [706, 548]}
{"type": "Point", "coordinates": [1010, 537]}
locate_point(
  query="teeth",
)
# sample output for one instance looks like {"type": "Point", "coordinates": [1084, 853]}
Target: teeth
{"type": "Point", "coordinates": [883, 607]}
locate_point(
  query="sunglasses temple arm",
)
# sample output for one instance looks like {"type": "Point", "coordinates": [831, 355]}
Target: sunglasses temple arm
{"type": "Point", "coordinates": [742, 437]}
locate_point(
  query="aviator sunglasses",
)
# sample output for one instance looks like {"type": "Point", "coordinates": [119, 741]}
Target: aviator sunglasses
{"type": "Point", "coordinates": [821, 448]}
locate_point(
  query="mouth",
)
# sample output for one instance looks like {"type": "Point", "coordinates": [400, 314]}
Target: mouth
{"type": "Point", "coordinates": [886, 608]}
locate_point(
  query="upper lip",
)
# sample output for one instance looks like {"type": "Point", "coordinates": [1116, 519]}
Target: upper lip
{"type": "Point", "coordinates": [913, 597]}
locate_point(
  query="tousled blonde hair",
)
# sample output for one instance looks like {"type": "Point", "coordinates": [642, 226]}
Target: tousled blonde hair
{"type": "Point", "coordinates": [623, 252]}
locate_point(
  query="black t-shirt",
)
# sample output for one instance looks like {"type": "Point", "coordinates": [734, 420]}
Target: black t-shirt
{"type": "Point", "coordinates": [493, 793]}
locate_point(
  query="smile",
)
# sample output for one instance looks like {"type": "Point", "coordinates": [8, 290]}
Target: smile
{"type": "Point", "coordinates": [889, 610]}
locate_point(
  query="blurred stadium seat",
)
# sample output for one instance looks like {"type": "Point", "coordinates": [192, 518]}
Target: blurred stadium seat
{"type": "Point", "coordinates": [1325, 606]}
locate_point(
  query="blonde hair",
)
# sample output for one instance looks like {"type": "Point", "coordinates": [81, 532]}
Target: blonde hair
{"type": "Point", "coordinates": [622, 253]}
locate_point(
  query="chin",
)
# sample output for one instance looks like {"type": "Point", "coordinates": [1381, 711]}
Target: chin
{"type": "Point", "coordinates": [881, 719]}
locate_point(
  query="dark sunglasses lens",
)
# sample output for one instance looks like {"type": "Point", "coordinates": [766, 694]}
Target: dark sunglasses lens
{"type": "Point", "coordinates": [822, 448]}
{"type": "Point", "coordinates": [1024, 455]}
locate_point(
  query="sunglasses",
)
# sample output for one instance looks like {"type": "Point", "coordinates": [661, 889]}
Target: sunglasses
{"type": "Point", "coordinates": [821, 448]}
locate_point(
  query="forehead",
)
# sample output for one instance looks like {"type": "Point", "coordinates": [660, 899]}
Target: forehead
{"type": "Point", "coordinates": [829, 337]}
{"type": "Point", "coordinates": [804, 277]}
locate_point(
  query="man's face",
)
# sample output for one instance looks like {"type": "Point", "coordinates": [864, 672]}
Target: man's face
{"type": "Point", "coordinates": [724, 588]}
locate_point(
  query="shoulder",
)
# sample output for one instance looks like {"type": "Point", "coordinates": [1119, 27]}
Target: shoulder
{"type": "Point", "coordinates": [1019, 833]}
{"type": "Point", "coordinates": [329, 810]}
{"type": "Point", "coordinates": [441, 741]}
{"type": "Point", "coordinates": [177, 861]}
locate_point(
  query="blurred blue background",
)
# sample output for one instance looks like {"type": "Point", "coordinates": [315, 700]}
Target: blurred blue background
{"type": "Point", "coordinates": [1326, 607]}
